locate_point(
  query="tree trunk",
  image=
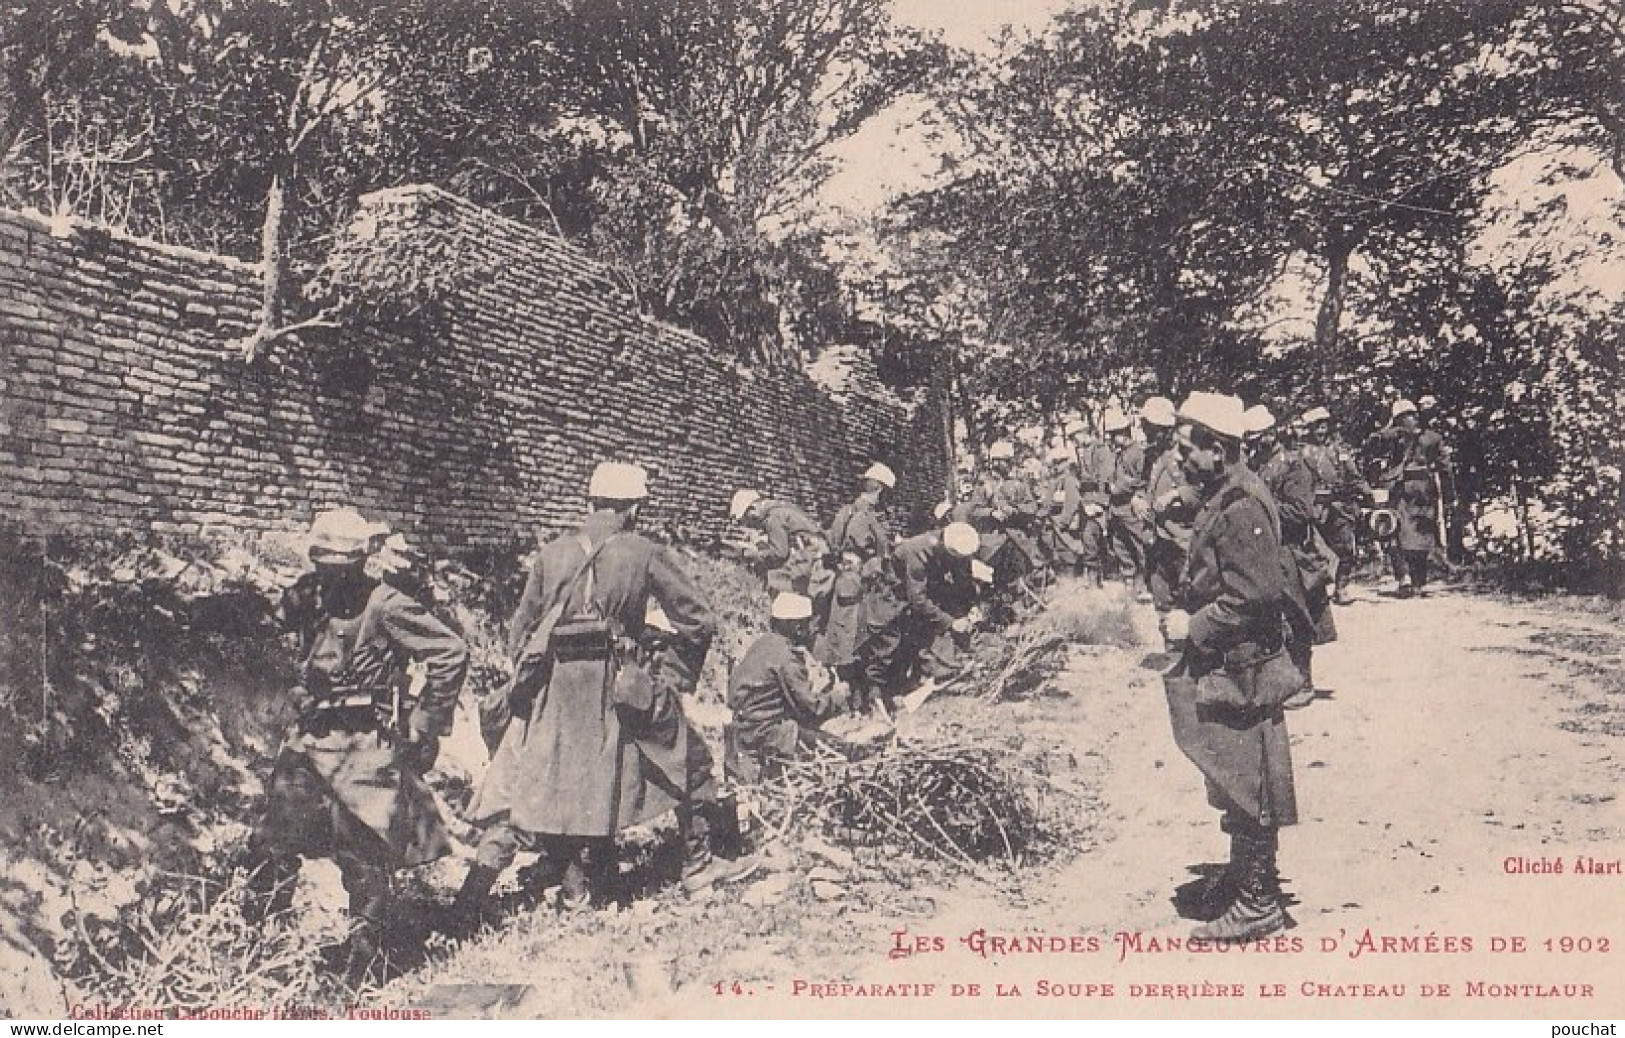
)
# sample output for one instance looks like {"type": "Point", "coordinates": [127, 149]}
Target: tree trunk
{"type": "Point", "coordinates": [1328, 322]}
{"type": "Point", "coordinates": [273, 254]}
{"type": "Point", "coordinates": [945, 389]}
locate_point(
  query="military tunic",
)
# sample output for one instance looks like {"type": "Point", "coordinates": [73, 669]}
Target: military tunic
{"type": "Point", "coordinates": [341, 785]}
{"type": "Point", "coordinates": [1126, 528]}
{"type": "Point", "coordinates": [1174, 503]}
{"type": "Point", "coordinates": [862, 542]}
{"type": "Point", "coordinates": [793, 557]}
{"type": "Point", "coordinates": [1095, 464]}
{"type": "Point", "coordinates": [573, 765]}
{"type": "Point", "coordinates": [776, 711]}
{"type": "Point", "coordinates": [1340, 489]}
{"type": "Point", "coordinates": [1292, 484]}
{"type": "Point", "coordinates": [1234, 588]}
{"type": "Point", "coordinates": [1063, 500]}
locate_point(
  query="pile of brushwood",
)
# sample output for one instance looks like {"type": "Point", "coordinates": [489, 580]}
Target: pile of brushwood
{"type": "Point", "coordinates": [957, 804]}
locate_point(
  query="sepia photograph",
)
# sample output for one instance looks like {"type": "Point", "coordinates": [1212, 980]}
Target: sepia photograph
{"type": "Point", "coordinates": [811, 509]}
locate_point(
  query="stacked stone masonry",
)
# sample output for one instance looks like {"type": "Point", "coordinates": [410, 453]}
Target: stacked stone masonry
{"type": "Point", "coordinates": [125, 405]}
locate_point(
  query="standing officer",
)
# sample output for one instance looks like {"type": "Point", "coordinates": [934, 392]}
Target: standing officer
{"type": "Point", "coordinates": [1126, 527]}
{"type": "Point", "coordinates": [1340, 491]}
{"type": "Point", "coordinates": [1095, 464]}
{"type": "Point", "coordinates": [1223, 694]}
{"type": "Point", "coordinates": [596, 743]}
{"type": "Point", "coordinates": [793, 558]}
{"type": "Point", "coordinates": [1409, 458]}
{"type": "Point", "coordinates": [347, 781]}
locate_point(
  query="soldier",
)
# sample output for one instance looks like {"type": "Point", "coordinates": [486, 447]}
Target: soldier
{"type": "Point", "coordinates": [1409, 458]}
{"type": "Point", "coordinates": [929, 600]}
{"type": "Point", "coordinates": [1062, 501]}
{"type": "Point", "coordinates": [1095, 464]}
{"type": "Point", "coordinates": [793, 557]}
{"type": "Point", "coordinates": [1006, 512]}
{"type": "Point", "coordinates": [597, 743]}
{"type": "Point", "coordinates": [860, 543]}
{"type": "Point", "coordinates": [347, 782]}
{"type": "Point", "coordinates": [777, 708]}
{"type": "Point", "coordinates": [1340, 491]}
{"type": "Point", "coordinates": [1291, 483]}
{"type": "Point", "coordinates": [1172, 500]}
{"type": "Point", "coordinates": [1223, 694]}
{"type": "Point", "coordinates": [1126, 526]}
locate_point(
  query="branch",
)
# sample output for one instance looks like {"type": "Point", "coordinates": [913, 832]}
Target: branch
{"type": "Point", "coordinates": [252, 344]}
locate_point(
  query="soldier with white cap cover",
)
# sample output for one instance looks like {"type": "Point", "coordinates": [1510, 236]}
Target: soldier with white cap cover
{"type": "Point", "coordinates": [1095, 463]}
{"type": "Point", "coordinates": [1309, 563]}
{"type": "Point", "coordinates": [1006, 512]}
{"type": "Point", "coordinates": [1127, 529]}
{"type": "Point", "coordinates": [1062, 499]}
{"type": "Point", "coordinates": [346, 783]}
{"type": "Point", "coordinates": [1171, 503]}
{"type": "Point", "coordinates": [792, 557]}
{"type": "Point", "coordinates": [1225, 693]}
{"type": "Point", "coordinates": [777, 705]}
{"type": "Point", "coordinates": [1340, 491]}
{"type": "Point", "coordinates": [931, 599]}
{"type": "Point", "coordinates": [596, 743]}
{"type": "Point", "coordinates": [1410, 459]}
{"type": "Point", "coordinates": [860, 543]}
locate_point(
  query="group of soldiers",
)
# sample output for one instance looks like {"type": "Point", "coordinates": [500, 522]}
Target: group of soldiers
{"type": "Point", "coordinates": [1242, 537]}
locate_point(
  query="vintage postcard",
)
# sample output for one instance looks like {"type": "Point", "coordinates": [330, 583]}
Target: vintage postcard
{"type": "Point", "coordinates": [904, 509]}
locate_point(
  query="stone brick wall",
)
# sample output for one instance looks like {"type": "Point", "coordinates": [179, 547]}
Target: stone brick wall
{"type": "Point", "coordinates": [123, 404]}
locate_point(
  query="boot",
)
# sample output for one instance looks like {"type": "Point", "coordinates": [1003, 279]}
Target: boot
{"type": "Point", "coordinates": [368, 885]}
{"type": "Point", "coordinates": [269, 889]}
{"type": "Point", "coordinates": [1256, 911]}
{"type": "Point", "coordinates": [1212, 895]}
{"type": "Point", "coordinates": [468, 908]}
{"type": "Point", "coordinates": [706, 832]}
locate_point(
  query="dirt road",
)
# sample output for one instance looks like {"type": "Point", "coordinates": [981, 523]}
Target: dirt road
{"type": "Point", "coordinates": [1461, 744]}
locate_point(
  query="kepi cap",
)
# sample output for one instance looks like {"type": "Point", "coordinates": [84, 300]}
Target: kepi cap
{"type": "Point", "coordinates": [1116, 421]}
{"type": "Point", "coordinates": [1315, 414]}
{"type": "Point", "coordinates": [1158, 410]}
{"type": "Point", "coordinates": [1258, 419]}
{"type": "Point", "coordinates": [343, 535]}
{"type": "Point", "coordinates": [1403, 407]}
{"type": "Point", "coordinates": [1219, 413]}
{"type": "Point", "coordinates": [1003, 450]}
{"type": "Point", "coordinates": [742, 500]}
{"type": "Point", "coordinates": [618, 481]}
{"type": "Point", "coordinates": [787, 605]}
{"type": "Point", "coordinates": [881, 474]}
{"type": "Point", "coordinates": [961, 539]}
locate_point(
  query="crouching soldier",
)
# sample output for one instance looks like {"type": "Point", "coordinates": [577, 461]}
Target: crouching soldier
{"type": "Point", "coordinates": [793, 557]}
{"type": "Point", "coordinates": [929, 600]}
{"type": "Point", "coordinates": [347, 782]}
{"type": "Point", "coordinates": [777, 709]}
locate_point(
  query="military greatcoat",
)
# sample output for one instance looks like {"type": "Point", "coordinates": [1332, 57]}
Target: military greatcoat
{"type": "Point", "coordinates": [1234, 588]}
{"type": "Point", "coordinates": [573, 765]}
